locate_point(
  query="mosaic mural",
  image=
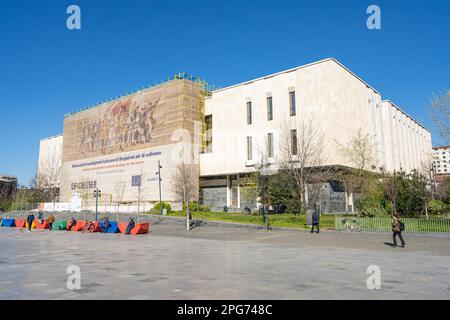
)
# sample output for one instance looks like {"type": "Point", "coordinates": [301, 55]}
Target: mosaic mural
{"type": "Point", "coordinates": [124, 124]}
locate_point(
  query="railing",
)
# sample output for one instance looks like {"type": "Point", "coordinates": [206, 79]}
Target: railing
{"type": "Point", "coordinates": [384, 225]}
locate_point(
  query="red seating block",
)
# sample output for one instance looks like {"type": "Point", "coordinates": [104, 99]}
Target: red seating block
{"type": "Point", "coordinates": [21, 223]}
{"type": "Point", "coordinates": [43, 225]}
{"type": "Point", "coordinates": [140, 228]}
{"type": "Point", "coordinates": [78, 226]}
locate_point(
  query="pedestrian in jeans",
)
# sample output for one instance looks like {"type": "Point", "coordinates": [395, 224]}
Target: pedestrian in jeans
{"type": "Point", "coordinates": [315, 221]}
{"type": "Point", "coordinates": [397, 228]}
{"type": "Point", "coordinates": [30, 220]}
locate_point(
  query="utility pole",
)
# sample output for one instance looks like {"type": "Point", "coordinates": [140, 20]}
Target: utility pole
{"type": "Point", "coordinates": [262, 194]}
{"type": "Point", "coordinates": [97, 193]}
{"type": "Point", "coordinates": [159, 181]}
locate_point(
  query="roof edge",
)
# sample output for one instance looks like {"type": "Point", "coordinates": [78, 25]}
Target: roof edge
{"type": "Point", "coordinates": [295, 69]}
{"type": "Point", "coordinates": [405, 113]}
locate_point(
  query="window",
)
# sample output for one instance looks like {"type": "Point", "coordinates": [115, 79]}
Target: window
{"type": "Point", "coordinates": [249, 148]}
{"type": "Point", "coordinates": [269, 109]}
{"type": "Point", "coordinates": [270, 145]}
{"type": "Point", "coordinates": [208, 135]}
{"type": "Point", "coordinates": [292, 107]}
{"type": "Point", "coordinates": [136, 181]}
{"type": "Point", "coordinates": [294, 142]}
{"type": "Point", "coordinates": [249, 112]}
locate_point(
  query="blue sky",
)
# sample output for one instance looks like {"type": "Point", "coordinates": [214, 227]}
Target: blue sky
{"type": "Point", "coordinates": [47, 70]}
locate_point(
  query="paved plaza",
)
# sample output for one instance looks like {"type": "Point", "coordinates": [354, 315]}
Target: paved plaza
{"type": "Point", "coordinates": [212, 262]}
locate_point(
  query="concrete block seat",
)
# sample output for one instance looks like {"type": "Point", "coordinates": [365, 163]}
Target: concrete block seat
{"type": "Point", "coordinates": [9, 223]}
{"type": "Point", "coordinates": [21, 223]}
{"type": "Point", "coordinates": [95, 227]}
{"type": "Point", "coordinates": [139, 228]}
{"type": "Point", "coordinates": [59, 225]}
{"type": "Point", "coordinates": [113, 228]}
{"type": "Point", "coordinates": [78, 227]}
{"type": "Point", "coordinates": [43, 225]}
{"type": "Point", "coordinates": [33, 225]}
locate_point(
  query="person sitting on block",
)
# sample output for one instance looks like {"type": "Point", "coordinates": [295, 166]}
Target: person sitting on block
{"type": "Point", "coordinates": [130, 226]}
{"type": "Point", "coordinates": [72, 223]}
{"type": "Point", "coordinates": [106, 225]}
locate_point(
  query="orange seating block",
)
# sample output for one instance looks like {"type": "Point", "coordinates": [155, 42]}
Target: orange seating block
{"type": "Point", "coordinates": [43, 225]}
{"type": "Point", "coordinates": [78, 226]}
{"type": "Point", "coordinates": [21, 223]}
{"type": "Point", "coordinates": [33, 225]}
{"type": "Point", "coordinates": [140, 228]}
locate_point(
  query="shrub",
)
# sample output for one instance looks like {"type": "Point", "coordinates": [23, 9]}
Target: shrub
{"type": "Point", "coordinates": [195, 206]}
{"type": "Point", "coordinates": [157, 208]}
{"type": "Point", "coordinates": [373, 207]}
{"type": "Point", "coordinates": [437, 207]}
{"type": "Point", "coordinates": [6, 205]}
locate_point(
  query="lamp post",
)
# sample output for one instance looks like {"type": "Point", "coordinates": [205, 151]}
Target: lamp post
{"type": "Point", "coordinates": [262, 195]}
{"type": "Point", "coordinates": [97, 193]}
{"type": "Point", "coordinates": [159, 182]}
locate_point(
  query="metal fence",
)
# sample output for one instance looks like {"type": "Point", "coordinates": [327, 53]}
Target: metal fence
{"type": "Point", "coordinates": [384, 225]}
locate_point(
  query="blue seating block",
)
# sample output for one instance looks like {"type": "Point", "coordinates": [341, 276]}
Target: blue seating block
{"type": "Point", "coordinates": [113, 227]}
{"type": "Point", "coordinates": [8, 223]}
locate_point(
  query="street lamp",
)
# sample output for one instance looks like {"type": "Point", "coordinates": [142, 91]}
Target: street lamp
{"type": "Point", "coordinates": [159, 182]}
{"type": "Point", "coordinates": [264, 214]}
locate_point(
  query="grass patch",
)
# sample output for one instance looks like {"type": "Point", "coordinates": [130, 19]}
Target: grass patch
{"type": "Point", "coordinates": [287, 220]}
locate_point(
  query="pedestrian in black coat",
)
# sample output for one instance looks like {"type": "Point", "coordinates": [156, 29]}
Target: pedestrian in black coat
{"type": "Point", "coordinates": [315, 221]}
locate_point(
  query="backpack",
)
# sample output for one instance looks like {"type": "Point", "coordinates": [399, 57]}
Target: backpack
{"type": "Point", "coordinates": [402, 226]}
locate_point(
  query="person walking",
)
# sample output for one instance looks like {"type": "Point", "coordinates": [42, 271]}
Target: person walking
{"type": "Point", "coordinates": [315, 221]}
{"type": "Point", "coordinates": [397, 228]}
{"type": "Point", "coordinates": [30, 220]}
{"type": "Point", "coordinates": [50, 221]}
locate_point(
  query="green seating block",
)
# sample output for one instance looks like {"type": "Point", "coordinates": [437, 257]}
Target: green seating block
{"type": "Point", "coordinates": [59, 225]}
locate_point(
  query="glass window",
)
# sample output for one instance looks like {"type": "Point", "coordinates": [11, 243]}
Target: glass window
{"type": "Point", "coordinates": [292, 106]}
{"type": "Point", "coordinates": [249, 148]}
{"type": "Point", "coordinates": [269, 109]}
{"type": "Point", "coordinates": [208, 134]}
{"type": "Point", "coordinates": [270, 145]}
{"type": "Point", "coordinates": [294, 142]}
{"type": "Point", "coordinates": [249, 112]}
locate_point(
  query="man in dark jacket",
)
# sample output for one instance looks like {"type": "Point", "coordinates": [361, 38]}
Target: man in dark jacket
{"type": "Point", "coordinates": [106, 225]}
{"type": "Point", "coordinates": [72, 223]}
{"type": "Point", "coordinates": [30, 220]}
{"type": "Point", "coordinates": [397, 231]}
{"type": "Point", "coordinates": [315, 221]}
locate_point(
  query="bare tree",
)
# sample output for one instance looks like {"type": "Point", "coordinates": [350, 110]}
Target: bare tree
{"type": "Point", "coordinates": [85, 194]}
{"type": "Point", "coordinates": [302, 153]}
{"type": "Point", "coordinates": [359, 150]}
{"type": "Point", "coordinates": [119, 190]}
{"type": "Point", "coordinates": [184, 186]}
{"type": "Point", "coordinates": [439, 111]}
{"type": "Point", "coordinates": [49, 176]}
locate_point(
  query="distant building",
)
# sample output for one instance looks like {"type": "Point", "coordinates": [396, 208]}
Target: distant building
{"type": "Point", "coordinates": [441, 160]}
{"type": "Point", "coordinates": [50, 161]}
